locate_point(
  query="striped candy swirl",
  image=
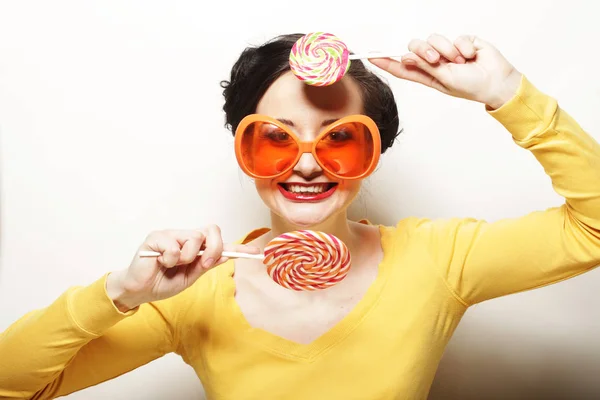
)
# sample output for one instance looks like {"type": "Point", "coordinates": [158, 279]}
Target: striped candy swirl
{"type": "Point", "coordinates": [319, 59]}
{"type": "Point", "coordinates": [307, 260]}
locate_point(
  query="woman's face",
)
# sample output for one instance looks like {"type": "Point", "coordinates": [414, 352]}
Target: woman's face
{"type": "Point", "coordinates": [308, 196]}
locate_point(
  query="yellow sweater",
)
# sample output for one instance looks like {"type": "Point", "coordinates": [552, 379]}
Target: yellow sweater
{"type": "Point", "coordinates": [388, 347]}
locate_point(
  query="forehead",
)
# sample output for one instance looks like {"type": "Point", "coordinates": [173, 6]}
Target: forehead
{"type": "Point", "coordinates": [290, 98]}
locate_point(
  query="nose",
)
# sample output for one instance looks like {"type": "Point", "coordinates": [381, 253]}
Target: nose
{"type": "Point", "coordinates": [307, 167]}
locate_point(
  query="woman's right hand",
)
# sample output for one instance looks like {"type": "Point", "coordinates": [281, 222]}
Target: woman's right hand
{"type": "Point", "coordinates": [177, 268]}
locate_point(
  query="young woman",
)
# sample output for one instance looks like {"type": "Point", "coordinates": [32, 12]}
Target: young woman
{"type": "Point", "coordinates": [380, 332]}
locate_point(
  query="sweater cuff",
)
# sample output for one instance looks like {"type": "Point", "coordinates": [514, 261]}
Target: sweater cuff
{"type": "Point", "coordinates": [527, 114]}
{"type": "Point", "coordinates": [92, 310]}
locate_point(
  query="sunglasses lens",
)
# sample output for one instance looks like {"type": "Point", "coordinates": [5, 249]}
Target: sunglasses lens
{"type": "Point", "coordinates": [347, 150]}
{"type": "Point", "coordinates": [266, 149]}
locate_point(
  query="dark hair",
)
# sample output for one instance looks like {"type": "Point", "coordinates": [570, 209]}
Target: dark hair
{"type": "Point", "coordinates": [258, 67]}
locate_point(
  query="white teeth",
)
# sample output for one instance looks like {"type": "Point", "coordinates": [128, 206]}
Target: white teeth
{"type": "Point", "coordinates": [306, 189]}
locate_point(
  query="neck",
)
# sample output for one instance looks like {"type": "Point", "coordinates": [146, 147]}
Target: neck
{"type": "Point", "coordinates": [337, 225]}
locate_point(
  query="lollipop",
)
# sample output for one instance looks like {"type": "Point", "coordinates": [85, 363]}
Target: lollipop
{"type": "Point", "coordinates": [307, 260]}
{"type": "Point", "coordinates": [321, 59]}
{"type": "Point", "coordinates": [300, 260]}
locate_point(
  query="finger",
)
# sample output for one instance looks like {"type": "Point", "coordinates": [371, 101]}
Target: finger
{"type": "Point", "coordinates": [191, 247]}
{"type": "Point", "coordinates": [407, 69]}
{"type": "Point", "coordinates": [424, 50]}
{"type": "Point", "coordinates": [465, 45]}
{"type": "Point", "coordinates": [222, 260]}
{"type": "Point", "coordinates": [213, 246]}
{"type": "Point", "coordinates": [443, 46]}
{"type": "Point", "coordinates": [182, 235]}
{"type": "Point", "coordinates": [167, 246]}
{"type": "Point", "coordinates": [479, 43]}
{"type": "Point", "coordinates": [412, 59]}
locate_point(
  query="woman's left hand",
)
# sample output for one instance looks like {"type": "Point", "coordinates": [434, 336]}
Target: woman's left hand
{"type": "Point", "coordinates": [469, 68]}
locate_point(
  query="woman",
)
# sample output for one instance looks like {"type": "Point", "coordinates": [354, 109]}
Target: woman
{"type": "Point", "coordinates": [380, 332]}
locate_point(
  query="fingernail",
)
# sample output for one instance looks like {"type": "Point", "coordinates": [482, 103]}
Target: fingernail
{"type": "Point", "coordinates": [460, 60]}
{"type": "Point", "coordinates": [431, 56]}
{"type": "Point", "coordinates": [208, 262]}
{"type": "Point", "coordinates": [409, 61]}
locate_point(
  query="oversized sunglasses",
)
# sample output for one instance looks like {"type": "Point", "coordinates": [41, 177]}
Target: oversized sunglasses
{"type": "Point", "coordinates": [266, 148]}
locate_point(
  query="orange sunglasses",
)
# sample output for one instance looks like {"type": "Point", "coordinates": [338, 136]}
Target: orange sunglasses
{"type": "Point", "coordinates": [266, 148]}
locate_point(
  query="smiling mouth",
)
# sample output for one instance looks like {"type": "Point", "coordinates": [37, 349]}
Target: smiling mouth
{"type": "Point", "coordinates": [307, 191]}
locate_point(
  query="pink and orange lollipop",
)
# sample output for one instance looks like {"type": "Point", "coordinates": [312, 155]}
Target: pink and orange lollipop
{"type": "Point", "coordinates": [307, 260]}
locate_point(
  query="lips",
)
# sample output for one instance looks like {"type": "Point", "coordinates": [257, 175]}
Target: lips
{"type": "Point", "coordinates": [305, 192]}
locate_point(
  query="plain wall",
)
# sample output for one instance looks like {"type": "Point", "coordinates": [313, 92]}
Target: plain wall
{"type": "Point", "coordinates": [111, 126]}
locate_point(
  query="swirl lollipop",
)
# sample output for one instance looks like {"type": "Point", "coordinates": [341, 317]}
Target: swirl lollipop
{"type": "Point", "coordinates": [322, 59]}
{"type": "Point", "coordinates": [300, 260]}
{"type": "Point", "coordinates": [319, 59]}
{"type": "Point", "coordinates": [307, 260]}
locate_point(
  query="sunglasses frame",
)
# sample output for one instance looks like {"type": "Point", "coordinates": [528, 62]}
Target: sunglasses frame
{"type": "Point", "coordinates": [308, 147]}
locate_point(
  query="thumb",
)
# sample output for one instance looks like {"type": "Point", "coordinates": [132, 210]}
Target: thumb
{"type": "Point", "coordinates": [419, 71]}
{"type": "Point", "coordinates": [478, 42]}
{"type": "Point", "coordinates": [198, 270]}
{"type": "Point", "coordinates": [391, 66]}
{"type": "Point", "coordinates": [383, 63]}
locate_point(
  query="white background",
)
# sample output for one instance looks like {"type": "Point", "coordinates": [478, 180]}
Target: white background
{"type": "Point", "coordinates": [111, 126]}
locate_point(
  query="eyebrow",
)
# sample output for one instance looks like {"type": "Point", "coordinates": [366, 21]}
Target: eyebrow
{"type": "Point", "coordinates": [291, 123]}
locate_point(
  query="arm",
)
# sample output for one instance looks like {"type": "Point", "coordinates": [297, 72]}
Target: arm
{"type": "Point", "coordinates": [483, 260]}
{"type": "Point", "coordinates": [479, 260]}
{"type": "Point", "coordinates": [80, 340]}
{"type": "Point", "coordinates": [85, 337]}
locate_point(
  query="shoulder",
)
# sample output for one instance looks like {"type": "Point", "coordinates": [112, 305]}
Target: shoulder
{"type": "Point", "coordinates": [433, 233]}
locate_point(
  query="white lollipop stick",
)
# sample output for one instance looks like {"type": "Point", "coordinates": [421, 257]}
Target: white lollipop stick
{"type": "Point", "coordinates": [230, 254]}
{"type": "Point", "coordinates": [372, 55]}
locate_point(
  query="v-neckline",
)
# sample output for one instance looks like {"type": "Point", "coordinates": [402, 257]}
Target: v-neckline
{"type": "Point", "coordinates": [238, 325]}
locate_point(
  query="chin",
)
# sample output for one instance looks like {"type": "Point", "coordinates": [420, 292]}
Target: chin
{"type": "Point", "coordinates": [304, 214]}
{"type": "Point", "coordinates": [304, 220]}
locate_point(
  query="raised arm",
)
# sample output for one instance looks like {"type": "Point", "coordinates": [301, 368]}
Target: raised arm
{"type": "Point", "coordinates": [483, 260]}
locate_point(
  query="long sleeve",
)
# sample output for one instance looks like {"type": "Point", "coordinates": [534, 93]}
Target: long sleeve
{"type": "Point", "coordinates": [80, 340]}
{"type": "Point", "coordinates": [481, 260]}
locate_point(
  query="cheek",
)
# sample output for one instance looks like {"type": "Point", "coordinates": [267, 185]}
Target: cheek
{"type": "Point", "coordinates": [351, 188]}
{"type": "Point", "coordinates": [264, 187]}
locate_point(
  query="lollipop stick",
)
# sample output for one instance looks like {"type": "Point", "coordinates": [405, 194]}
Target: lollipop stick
{"type": "Point", "coordinates": [372, 55]}
{"type": "Point", "coordinates": [229, 254]}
